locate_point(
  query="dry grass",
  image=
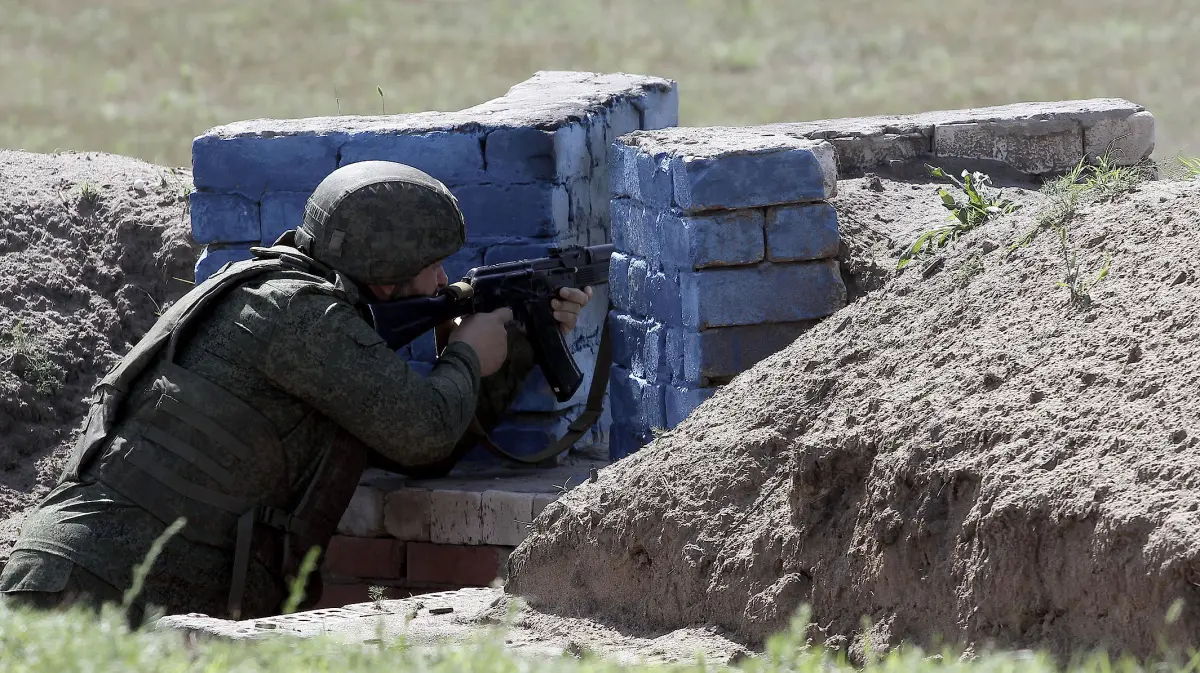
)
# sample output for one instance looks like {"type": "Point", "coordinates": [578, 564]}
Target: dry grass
{"type": "Point", "coordinates": [142, 77]}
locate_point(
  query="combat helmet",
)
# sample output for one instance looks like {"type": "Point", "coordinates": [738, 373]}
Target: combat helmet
{"type": "Point", "coordinates": [380, 222]}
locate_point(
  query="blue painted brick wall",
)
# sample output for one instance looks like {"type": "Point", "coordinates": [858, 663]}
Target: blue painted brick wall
{"type": "Point", "coordinates": [696, 358]}
{"type": "Point", "coordinates": [212, 259]}
{"type": "Point", "coordinates": [747, 180]}
{"type": "Point", "coordinates": [227, 218]}
{"type": "Point", "coordinates": [680, 401]}
{"type": "Point", "coordinates": [750, 295]}
{"type": "Point", "coordinates": [521, 188]}
{"type": "Point", "coordinates": [802, 232]}
{"type": "Point", "coordinates": [636, 403]}
{"type": "Point", "coordinates": [454, 157]}
{"type": "Point", "coordinates": [532, 210]}
{"type": "Point", "coordinates": [723, 239]}
{"type": "Point", "coordinates": [281, 211]}
{"type": "Point", "coordinates": [531, 154]}
{"type": "Point", "coordinates": [252, 165]}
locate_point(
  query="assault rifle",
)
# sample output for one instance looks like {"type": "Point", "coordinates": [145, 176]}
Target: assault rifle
{"type": "Point", "coordinates": [525, 286]}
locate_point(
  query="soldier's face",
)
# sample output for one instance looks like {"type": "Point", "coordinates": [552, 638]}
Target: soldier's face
{"type": "Point", "coordinates": [424, 284]}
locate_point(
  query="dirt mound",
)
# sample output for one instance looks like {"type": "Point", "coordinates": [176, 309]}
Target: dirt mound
{"type": "Point", "coordinates": [962, 456]}
{"type": "Point", "coordinates": [90, 245]}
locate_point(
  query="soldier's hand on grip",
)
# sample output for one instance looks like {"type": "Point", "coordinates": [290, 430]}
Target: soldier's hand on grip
{"type": "Point", "coordinates": [485, 333]}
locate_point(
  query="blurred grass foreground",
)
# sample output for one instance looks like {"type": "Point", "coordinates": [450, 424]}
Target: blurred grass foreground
{"type": "Point", "coordinates": [143, 77]}
{"type": "Point", "coordinates": [77, 642]}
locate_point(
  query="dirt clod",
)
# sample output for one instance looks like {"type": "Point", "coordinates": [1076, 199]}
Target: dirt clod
{"type": "Point", "coordinates": [85, 264]}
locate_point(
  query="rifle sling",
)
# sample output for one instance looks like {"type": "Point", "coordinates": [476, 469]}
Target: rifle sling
{"type": "Point", "coordinates": [591, 413]}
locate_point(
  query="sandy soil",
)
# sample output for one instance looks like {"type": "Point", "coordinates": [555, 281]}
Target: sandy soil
{"type": "Point", "coordinates": [961, 456]}
{"type": "Point", "coordinates": [90, 247]}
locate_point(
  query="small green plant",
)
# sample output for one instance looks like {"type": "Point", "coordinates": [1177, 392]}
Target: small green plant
{"type": "Point", "coordinates": [973, 266]}
{"type": "Point", "coordinates": [980, 205]}
{"type": "Point", "coordinates": [89, 194]}
{"type": "Point", "coordinates": [382, 101]}
{"type": "Point", "coordinates": [376, 594]}
{"type": "Point", "coordinates": [1191, 166]}
{"type": "Point", "coordinates": [1078, 287]}
{"type": "Point", "coordinates": [296, 591]}
{"type": "Point", "coordinates": [141, 570]}
{"type": "Point", "coordinates": [1084, 183]}
{"type": "Point", "coordinates": [28, 357]}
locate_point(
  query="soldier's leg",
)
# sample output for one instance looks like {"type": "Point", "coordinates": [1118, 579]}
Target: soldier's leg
{"type": "Point", "coordinates": [45, 582]}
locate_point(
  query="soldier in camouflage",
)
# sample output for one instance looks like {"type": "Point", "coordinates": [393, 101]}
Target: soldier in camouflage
{"type": "Point", "coordinates": [252, 406]}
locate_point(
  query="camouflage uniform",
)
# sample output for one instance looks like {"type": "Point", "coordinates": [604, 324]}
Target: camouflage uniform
{"type": "Point", "coordinates": [254, 420]}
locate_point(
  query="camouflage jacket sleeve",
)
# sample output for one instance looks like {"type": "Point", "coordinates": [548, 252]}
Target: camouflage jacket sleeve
{"type": "Point", "coordinates": [324, 353]}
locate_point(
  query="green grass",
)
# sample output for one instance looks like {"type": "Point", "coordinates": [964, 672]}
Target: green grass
{"type": "Point", "coordinates": [78, 642]}
{"type": "Point", "coordinates": [143, 77]}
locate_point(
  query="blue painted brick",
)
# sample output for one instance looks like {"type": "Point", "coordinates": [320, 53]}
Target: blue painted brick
{"type": "Point", "coordinates": [697, 358]}
{"type": "Point", "coordinates": [627, 334]}
{"type": "Point", "coordinates": [752, 180]}
{"type": "Point", "coordinates": [640, 176]}
{"type": "Point", "coordinates": [639, 298]}
{"type": "Point", "coordinates": [624, 441]}
{"type": "Point", "coordinates": [537, 210]}
{"type": "Point", "coordinates": [521, 154]}
{"type": "Point", "coordinates": [750, 295]}
{"type": "Point", "coordinates": [281, 211]}
{"type": "Point", "coordinates": [421, 368]}
{"type": "Point", "coordinates": [653, 365]}
{"type": "Point", "coordinates": [453, 157]}
{"type": "Point", "coordinates": [639, 345]}
{"type": "Point", "coordinates": [521, 435]}
{"type": "Point", "coordinates": [663, 300]}
{"type": "Point", "coordinates": [536, 394]}
{"type": "Point", "coordinates": [681, 401]}
{"type": "Point", "coordinates": [639, 230]}
{"type": "Point", "coordinates": [213, 259]}
{"type": "Point", "coordinates": [660, 109]}
{"type": "Point", "coordinates": [636, 402]}
{"type": "Point", "coordinates": [223, 218]}
{"type": "Point", "coordinates": [618, 281]}
{"type": "Point", "coordinates": [457, 265]}
{"type": "Point", "coordinates": [725, 239]}
{"type": "Point", "coordinates": [802, 232]}
{"type": "Point", "coordinates": [424, 348]}
{"type": "Point", "coordinates": [252, 165]}
{"type": "Point", "coordinates": [514, 252]}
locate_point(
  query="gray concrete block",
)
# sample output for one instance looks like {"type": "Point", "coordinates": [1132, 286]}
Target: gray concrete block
{"type": "Point", "coordinates": [700, 358]}
{"type": "Point", "coordinates": [1128, 140]}
{"type": "Point", "coordinates": [364, 515]}
{"type": "Point", "coordinates": [506, 516]}
{"type": "Point", "coordinates": [455, 517]}
{"type": "Point", "coordinates": [406, 514]}
{"type": "Point", "coordinates": [542, 500]}
{"type": "Point", "coordinates": [1034, 146]}
{"type": "Point", "coordinates": [857, 154]}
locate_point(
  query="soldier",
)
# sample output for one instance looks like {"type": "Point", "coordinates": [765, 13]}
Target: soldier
{"type": "Point", "coordinates": [252, 406]}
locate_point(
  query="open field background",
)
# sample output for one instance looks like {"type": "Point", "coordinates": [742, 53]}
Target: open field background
{"type": "Point", "coordinates": [143, 77]}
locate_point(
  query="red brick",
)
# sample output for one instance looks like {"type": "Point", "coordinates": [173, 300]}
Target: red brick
{"type": "Point", "coordinates": [339, 595]}
{"type": "Point", "coordinates": [460, 565]}
{"type": "Point", "coordinates": [365, 557]}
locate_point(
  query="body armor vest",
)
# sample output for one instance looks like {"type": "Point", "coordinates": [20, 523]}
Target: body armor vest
{"type": "Point", "coordinates": [179, 451]}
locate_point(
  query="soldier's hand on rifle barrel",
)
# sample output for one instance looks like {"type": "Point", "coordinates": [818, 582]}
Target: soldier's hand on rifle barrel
{"type": "Point", "coordinates": [485, 333]}
{"type": "Point", "coordinates": [567, 308]}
